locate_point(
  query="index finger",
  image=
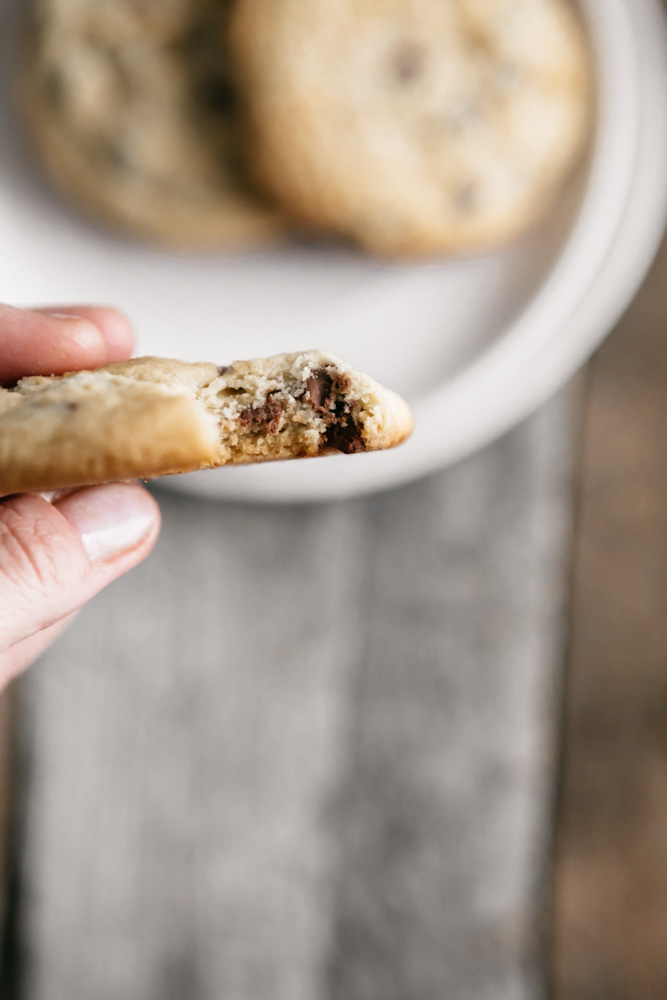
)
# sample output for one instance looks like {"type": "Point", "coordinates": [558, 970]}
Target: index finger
{"type": "Point", "coordinates": [57, 339]}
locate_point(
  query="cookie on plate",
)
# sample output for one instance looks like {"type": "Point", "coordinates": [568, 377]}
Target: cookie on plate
{"type": "Point", "coordinates": [141, 133]}
{"type": "Point", "coordinates": [118, 20]}
{"type": "Point", "coordinates": [154, 416]}
{"type": "Point", "coordinates": [413, 126]}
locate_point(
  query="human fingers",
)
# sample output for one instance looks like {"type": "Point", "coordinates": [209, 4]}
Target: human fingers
{"type": "Point", "coordinates": [114, 324]}
{"type": "Point", "coordinates": [41, 343]}
{"type": "Point", "coordinates": [15, 659]}
{"type": "Point", "coordinates": [54, 557]}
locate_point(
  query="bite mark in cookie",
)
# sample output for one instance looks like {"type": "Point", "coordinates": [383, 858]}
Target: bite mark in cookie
{"type": "Point", "coordinates": [154, 416]}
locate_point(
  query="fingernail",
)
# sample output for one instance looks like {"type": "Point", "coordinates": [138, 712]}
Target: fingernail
{"type": "Point", "coordinates": [53, 496]}
{"type": "Point", "coordinates": [111, 520]}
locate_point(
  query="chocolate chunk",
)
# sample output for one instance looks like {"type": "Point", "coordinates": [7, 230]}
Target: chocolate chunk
{"type": "Point", "coordinates": [408, 62]}
{"type": "Point", "coordinates": [268, 414]}
{"type": "Point", "coordinates": [218, 95]}
{"type": "Point", "coordinates": [342, 431]}
{"type": "Point", "coordinates": [113, 153]}
{"type": "Point", "coordinates": [345, 436]}
{"type": "Point", "coordinates": [223, 369]}
{"type": "Point", "coordinates": [319, 390]}
{"type": "Point", "coordinates": [323, 391]}
{"type": "Point", "coordinates": [466, 197]}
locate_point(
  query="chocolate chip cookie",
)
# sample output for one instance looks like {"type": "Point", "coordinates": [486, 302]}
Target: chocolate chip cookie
{"type": "Point", "coordinates": [133, 114]}
{"type": "Point", "coordinates": [413, 126]}
{"type": "Point", "coordinates": [118, 20]}
{"type": "Point", "coordinates": [154, 416]}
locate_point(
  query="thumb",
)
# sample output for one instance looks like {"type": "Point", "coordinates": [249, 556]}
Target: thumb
{"type": "Point", "coordinates": [53, 557]}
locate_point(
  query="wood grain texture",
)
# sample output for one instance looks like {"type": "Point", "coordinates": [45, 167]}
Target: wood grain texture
{"type": "Point", "coordinates": [611, 874]}
{"type": "Point", "coordinates": [306, 753]}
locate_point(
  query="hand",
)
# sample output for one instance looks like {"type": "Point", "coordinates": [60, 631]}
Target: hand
{"type": "Point", "coordinates": [57, 551]}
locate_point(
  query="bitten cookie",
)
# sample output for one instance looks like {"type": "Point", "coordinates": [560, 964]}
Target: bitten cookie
{"type": "Point", "coordinates": [153, 416]}
{"type": "Point", "coordinates": [413, 126]}
{"type": "Point", "coordinates": [141, 133]}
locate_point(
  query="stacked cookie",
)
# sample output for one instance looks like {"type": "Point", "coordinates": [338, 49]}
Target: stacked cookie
{"type": "Point", "coordinates": [412, 127]}
{"type": "Point", "coordinates": [131, 109]}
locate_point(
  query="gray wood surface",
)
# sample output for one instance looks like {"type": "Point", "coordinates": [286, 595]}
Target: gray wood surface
{"type": "Point", "coordinates": [611, 862]}
{"type": "Point", "coordinates": [307, 753]}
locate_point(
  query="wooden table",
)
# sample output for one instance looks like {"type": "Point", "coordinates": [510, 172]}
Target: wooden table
{"type": "Point", "coordinates": [611, 863]}
{"type": "Point", "coordinates": [311, 753]}
{"type": "Point", "coordinates": [307, 752]}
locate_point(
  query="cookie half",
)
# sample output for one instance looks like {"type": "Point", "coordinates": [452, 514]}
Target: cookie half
{"type": "Point", "coordinates": [413, 126]}
{"type": "Point", "coordinates": [154, 416]}
{"type": "Point", "coordinates": [131, 111]}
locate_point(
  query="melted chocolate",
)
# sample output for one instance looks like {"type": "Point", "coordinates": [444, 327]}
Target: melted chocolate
{"type": "Point", "coordinates": [322, 387]}
{"type": "Point", "coordinates": [268, 414]}
{"type": "Point", "coordinates": [323, 391]}
{"type": "Point", "coordinates": [319, 390]}
{"type": "Point", "coordinates": [217, 95]}
{"type": "Point", "coordinates": [343, 434]}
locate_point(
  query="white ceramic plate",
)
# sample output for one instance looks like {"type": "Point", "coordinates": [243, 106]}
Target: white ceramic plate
{"type": "Point", "coordinates": [474, 345]}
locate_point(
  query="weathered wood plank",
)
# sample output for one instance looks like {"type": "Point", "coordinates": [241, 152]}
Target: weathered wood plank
{"type": "Point", "coordinates": [183, 734]}
{"type": "Point", "coordinates": [611, 875]}
{"type": "Point", "coordinates": [445, 809]}
{"type": "Point", "coordinates": [306, 753]}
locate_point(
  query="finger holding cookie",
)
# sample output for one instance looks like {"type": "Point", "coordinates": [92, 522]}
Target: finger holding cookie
{"type": "Point", "coordinates": [57, 551]}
